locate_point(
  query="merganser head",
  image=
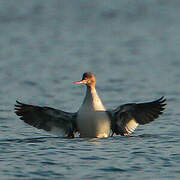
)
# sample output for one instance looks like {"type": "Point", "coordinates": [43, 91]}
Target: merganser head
{"type": "Point", "coordinates": [88, 79]}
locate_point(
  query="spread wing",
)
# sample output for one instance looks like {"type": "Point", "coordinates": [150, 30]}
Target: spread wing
{"type": "Point", "coordinates": [126, 118]}
{"type": "Point", "coordinates": [47, 118]}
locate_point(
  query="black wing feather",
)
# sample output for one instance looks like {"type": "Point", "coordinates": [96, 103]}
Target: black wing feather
{"type": "Point", "coordinates": [47, 118]}
{"type": "Point", "coordinates": [126, 118]}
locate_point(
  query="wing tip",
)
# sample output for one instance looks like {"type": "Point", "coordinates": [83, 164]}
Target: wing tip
{"type": "Point", "coordinates": [20, 108]}
{"type": "Point", "coordinates": [18, 103]}
{"type": "Point", "coordinates": [17, 106]}
{"type": "Point", "coordinates": [161, 102]}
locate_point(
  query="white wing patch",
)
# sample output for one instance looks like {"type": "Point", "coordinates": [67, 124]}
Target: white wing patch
{"type": "Point", "coordinates": [131, 126]}
{"type": "Point", "coordinates": [57, 131]}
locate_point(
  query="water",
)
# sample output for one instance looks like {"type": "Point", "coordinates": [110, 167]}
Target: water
{"type": "Point", "coordinates": [133, 49]}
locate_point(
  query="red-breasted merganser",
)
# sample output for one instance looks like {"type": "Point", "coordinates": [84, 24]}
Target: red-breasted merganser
{"type": "Point", "coordinates": [92, 119]}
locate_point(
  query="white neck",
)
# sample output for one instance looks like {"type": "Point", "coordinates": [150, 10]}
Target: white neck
{"type": "Point", "coordinates": [92, 99]}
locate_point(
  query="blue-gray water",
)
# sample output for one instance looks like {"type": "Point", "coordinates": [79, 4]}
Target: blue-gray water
{"type": "Point", "coordinates": [133, 49]}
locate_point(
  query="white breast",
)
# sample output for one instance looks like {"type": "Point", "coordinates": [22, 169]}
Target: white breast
{"type": "Point", "coordinates": [92, 119]}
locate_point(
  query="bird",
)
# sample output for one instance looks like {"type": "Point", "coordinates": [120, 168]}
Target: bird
{"type": "Point", "coordinates": [92, 120]}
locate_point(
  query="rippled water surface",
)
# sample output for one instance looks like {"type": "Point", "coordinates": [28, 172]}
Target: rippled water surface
{"type": "Point", "coordinates": [133, 49]}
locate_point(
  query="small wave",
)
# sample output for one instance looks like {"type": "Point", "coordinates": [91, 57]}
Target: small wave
{"type": "Point", "coordinates": [112, 169]}
{"type": "Point", "coordinates": [28, 140]}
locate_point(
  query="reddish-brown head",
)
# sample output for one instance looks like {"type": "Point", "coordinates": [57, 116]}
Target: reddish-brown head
{"type": "Point", "coordinates": [88, 79]}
